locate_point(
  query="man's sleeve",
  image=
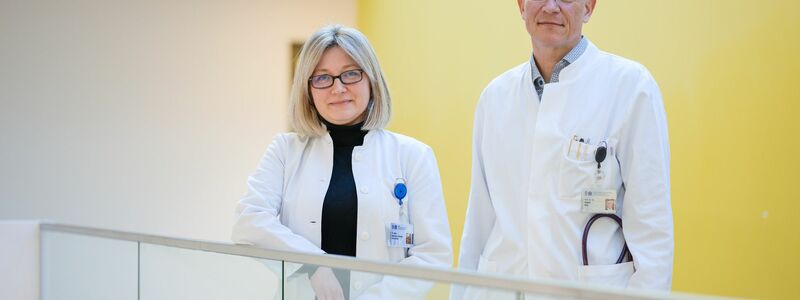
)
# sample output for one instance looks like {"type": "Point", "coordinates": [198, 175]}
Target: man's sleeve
{"type": "Point", "coordinates": [644, 159]}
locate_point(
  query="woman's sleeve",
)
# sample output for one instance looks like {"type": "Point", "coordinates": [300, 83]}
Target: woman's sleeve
{"type": "Point", "coordinates": [257, 214]}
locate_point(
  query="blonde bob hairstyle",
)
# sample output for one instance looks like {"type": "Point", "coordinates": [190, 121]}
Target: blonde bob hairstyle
{"type": "Point", "coordinates": [306, 121]}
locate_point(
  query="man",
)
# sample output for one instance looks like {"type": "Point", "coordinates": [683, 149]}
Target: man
{"type": "Point", "coordinates": [553, 139]}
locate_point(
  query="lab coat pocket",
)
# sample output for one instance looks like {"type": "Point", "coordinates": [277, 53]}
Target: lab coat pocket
{"type": "Point", "coordinates": [578, 169]}
{"type": "Point", "coordinates": [616, 275]}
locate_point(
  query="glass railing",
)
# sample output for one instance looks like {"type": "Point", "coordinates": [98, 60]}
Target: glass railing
{"type": "Point", "coordinates": [88, 263]}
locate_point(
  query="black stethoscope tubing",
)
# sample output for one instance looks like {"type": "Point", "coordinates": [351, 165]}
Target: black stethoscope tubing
{"type": "Point", "coordinates": [625, 251]}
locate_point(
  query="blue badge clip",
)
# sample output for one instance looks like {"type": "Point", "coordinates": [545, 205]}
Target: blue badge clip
{"type": "Point", "coordinates": [400, 190]}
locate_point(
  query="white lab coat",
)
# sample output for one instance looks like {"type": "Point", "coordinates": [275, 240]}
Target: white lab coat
{"type": "Point", "coordinates": [283, 207]}
{"type": "Point", "coordinates": [524, 215]}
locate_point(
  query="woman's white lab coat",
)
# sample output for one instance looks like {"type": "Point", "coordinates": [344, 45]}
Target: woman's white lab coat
{"type": "Point", "coordinates": [283, 207]}
{"type": "Point", "coordinates": [524, 216]}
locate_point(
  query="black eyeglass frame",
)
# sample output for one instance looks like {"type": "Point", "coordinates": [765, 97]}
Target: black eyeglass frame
{"type": "Point", "coordinates": [360, 78]}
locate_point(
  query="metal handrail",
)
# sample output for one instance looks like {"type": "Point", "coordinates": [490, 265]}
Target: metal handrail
{"type": "Point", "coordinates": [535, 286]}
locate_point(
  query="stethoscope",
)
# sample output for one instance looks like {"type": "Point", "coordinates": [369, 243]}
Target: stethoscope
{"type": "Point", "coordinates": [625, 251]}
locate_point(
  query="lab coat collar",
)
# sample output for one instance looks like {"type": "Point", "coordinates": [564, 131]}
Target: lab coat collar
{"type": "Point", "coordinates": [576, 68]}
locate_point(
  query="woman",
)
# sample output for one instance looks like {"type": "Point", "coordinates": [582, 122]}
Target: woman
{"type": "Point", "coordinates": [336, 185]}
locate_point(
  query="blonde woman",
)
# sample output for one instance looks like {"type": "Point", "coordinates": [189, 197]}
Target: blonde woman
{"type": "Point", "coordinates": [341, 184]}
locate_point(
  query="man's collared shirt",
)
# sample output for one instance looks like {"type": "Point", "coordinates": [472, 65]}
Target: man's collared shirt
{"type": "Point", "coordinates": [536, 76]}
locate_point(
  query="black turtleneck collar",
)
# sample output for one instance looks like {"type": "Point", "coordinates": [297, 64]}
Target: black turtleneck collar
{"type": "Point", "coordinates": [346, 135]}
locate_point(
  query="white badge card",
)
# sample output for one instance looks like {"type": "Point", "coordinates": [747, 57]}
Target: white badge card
{"type": "Point", "coordinates": [597, 201]}
{"type": "Point", "coordinates": [399, 235]}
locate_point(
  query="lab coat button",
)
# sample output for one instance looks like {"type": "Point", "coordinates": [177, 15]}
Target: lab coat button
{"type": "Point", "coordinates": [357, 285]}
{"type": "Point", "coordinates": [365, 235]}
{"type": "Point", "coordinates": [357, 157]}
{"type": "Point", "coordinates": [364, 190]}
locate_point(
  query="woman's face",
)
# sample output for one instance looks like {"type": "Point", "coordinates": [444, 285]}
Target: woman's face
{"type": "Point", "coordinates": [345, 101]}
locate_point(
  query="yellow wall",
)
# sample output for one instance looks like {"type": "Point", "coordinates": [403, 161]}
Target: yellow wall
{"type": "Point", "coordinates": [729, 72]}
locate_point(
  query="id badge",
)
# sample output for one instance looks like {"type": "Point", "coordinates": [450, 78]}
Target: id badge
{"type": "Point", "coordinates": [598, 201]}
{"type": "Point", "coordinates": [399, 235]}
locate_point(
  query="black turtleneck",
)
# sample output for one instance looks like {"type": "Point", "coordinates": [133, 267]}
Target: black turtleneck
{"type": "Point", "coordinates": [340, 209]}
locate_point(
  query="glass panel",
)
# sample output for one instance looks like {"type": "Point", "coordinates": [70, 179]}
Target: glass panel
{"type": "Point", "coordinates": [175, 273]}
{"type": "Point", "coordinates": [479, 292]}
{"type": "Point", "coordinates": [374, 286]}
{"type": "Point", "coordinates": [83, 267]}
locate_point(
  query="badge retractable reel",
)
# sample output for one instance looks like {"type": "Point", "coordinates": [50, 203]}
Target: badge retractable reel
{"type": "Point", "coordinates": [400, 234]}
{"type": "Point", "coordinates": [595, 199]}
{"type": "Point", "coordinates": [601, 202]}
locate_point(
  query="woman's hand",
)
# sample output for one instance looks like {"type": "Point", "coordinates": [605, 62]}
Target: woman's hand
{"type": "Point", "coordinates": [325, 285]}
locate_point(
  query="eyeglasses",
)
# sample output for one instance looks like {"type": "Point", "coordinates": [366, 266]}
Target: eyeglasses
{"type": "Point", "coordinates": [325, 81]}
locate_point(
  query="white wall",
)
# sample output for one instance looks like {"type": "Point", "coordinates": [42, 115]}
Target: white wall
{"type": "Point", "coordinates": [147, 115]}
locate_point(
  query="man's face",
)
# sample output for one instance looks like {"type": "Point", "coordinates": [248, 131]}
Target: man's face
{"type": "Point", "coordinates": [555, 23]}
